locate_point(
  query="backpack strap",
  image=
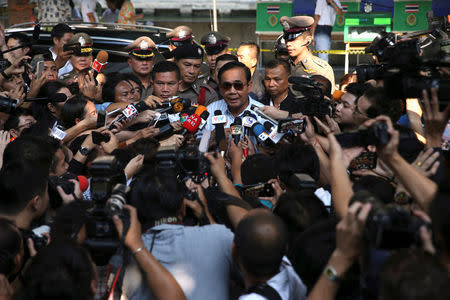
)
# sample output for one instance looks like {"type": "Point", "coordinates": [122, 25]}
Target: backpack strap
{"type": "Point", "coordinates": [265, 290]}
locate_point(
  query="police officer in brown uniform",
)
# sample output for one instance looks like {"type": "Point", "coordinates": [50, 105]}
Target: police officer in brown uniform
{"type": "Point", "coordinates": [189, 59]}
{"type": "Point", "coordinates": [297, 34]}
{"type": "Point", "coordinates": [215, 44]}
{"type": "Point", "coordinates": [140, 60]}
{"type": "Point", "coordinates": [81, 58]}
{"type": "Point", "coordinates": [181, 35]}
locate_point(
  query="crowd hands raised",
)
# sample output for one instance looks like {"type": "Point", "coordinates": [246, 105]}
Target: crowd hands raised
{"type": "Point", "coordinates": [232, 185]}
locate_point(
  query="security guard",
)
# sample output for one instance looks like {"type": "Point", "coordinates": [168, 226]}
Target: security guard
{"type": "Point", "coordinates": [141, 54]}
{"type": "Point", "coordinates": [297, 34]}
{"type": "Point", "coordinates": [181, 35]}
{"type": "Point", "coordinates": [81, 59]}
{"type": "Point", "coordinates": [189, 58]}
{"type": "Point", "coordinates": [215, 44]}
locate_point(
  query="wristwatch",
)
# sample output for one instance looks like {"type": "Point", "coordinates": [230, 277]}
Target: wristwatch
{"type": "Point", "coordinates": [84, 151]}
{"type": "Point", "coordinates": [331, 274]}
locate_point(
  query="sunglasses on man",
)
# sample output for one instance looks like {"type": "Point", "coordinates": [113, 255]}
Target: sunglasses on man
{"type": "Point", "coordinates": [237, 85]}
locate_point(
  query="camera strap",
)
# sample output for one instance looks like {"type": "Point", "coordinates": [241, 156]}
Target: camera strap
{"type": "Point", "coordinates": [265, 290]}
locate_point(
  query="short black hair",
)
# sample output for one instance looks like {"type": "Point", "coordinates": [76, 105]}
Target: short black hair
{"type": "Point", "coordinates": [34, 149]}
{"type": "Point", "coordinates": [383, 104]}
{"type": "Point", "coordinates": [251, 44]}
{"type": "Point", "coordinates": [131, 77]}
{"type": "Point", "coordinates": [254, 169]}
{"type": "Point", "coordinates": [23, 39]}
{"type": "Point", "coordinates": [413, 274]}
{"type": "Point", "coordinates": [69, 220]}
{"type": "Point", "coordinates": [297, 158]}
{"type": "Point", "coordinates": [156, 194]}
{"type": "Point", "coordinates": [13, 120]}
{"type": "Point", "coordinates": [166, 66]}
{"type": "Point", "coordinates": [62, 270]}
{"type": "Point", "coordinates": [59, 30]}
{"type": "Point", "coordinates": [277, 62]}
{"type": "Point", "coordinates": [227, 56]}
{"type": "Point", "coordinates": [261, 240]}
{"type": "Point", "coordinates": [73, 109]}
{"type": "Point", "coordinates": [233, 65]}
{"type": "Point", "coordinates": [19, 183]}
{"type": "Point", "coordinates": [109, 88]}
{"type": "Point", "coordinates": [357, 88]}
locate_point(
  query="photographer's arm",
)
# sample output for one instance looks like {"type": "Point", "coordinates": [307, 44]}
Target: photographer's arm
{"type": "Point", "coordinates": [349, 245]}
{"type": "Point", "coordinates": [162, 284]}
{"type": "Point", "coordinates": [420, 187]}
{"type": "Point", "coordinates": [235, 213]}
{"type": "Point", "coordinates": [311, 138]}
{"type": "Point", "coordinates": [90, 122]}
{"type": "Point", "coordinates": [435, 121]}
{"type": "Point", "coordinates": [235, 153]}
{"type": "Point", "coordinates": [341, 186]}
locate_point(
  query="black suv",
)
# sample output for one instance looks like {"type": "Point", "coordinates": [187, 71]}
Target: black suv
{"type": "Point", "coordinates": [112, 38]}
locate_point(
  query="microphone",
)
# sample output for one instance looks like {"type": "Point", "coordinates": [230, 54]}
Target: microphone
{"type": "Point", "coordinates": [58, 97]}
{"type": "Point", "coordinates": [258, 131]}
{"type": "Point", "coordinates": [218, 120]}
{"type": "Point", "coordinates": [100, 62]}
{"type": "Point", "coordinates": [194, 121]}
{"type": "Point", "coordinates": [204, 116]}
{"type": "Point", "coordinates": [236, 130]}
{"type": "Point", "coordinates": [272, 130]}
{"type": "Point", "coordinates": [191, 124]}
{"type": "Point", "coordinates": [84, 183]}
{"type": "Point", "coordinates": [176, 105]}
{"type": "Point", "coordinates": [130, 113]}
{"type": "Point", "coordinates": [262, 114]}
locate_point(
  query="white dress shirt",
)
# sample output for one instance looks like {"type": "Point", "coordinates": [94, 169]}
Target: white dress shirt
{"type": "Point", "coordinates": [326, 12]}
{"type": "Point", "coordinates": [67, 67]}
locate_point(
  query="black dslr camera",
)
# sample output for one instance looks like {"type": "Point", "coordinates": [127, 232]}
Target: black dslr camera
{"type": "Point", "coordinates": [8, 104]}
{"type": "Point", "coordinates": [62, 181]}
{"type": "Point", "coordinates": [186, 162]}
{"type": "Point", "coordinates": [312, 101]}
{"type": "Point", "coordinates": [376, 135]}
{"type": "Point", "coordinates": [389, 226]}
{"type": "Point", "coordinates": [108, 192]}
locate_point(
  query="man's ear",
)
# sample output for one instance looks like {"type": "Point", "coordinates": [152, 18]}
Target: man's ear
{"type": "Point", "coordinates": [77, 120]}
{"type": "Point", "coordinates": [250, 85]}
{"type": "Point", "coordinates": [35, 203]}
{"type": "Point", "coordinates": [51, 107]}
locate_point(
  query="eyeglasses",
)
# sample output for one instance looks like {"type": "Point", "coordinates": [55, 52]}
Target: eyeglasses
{"type": "Point", "coordinates": [237, 85]}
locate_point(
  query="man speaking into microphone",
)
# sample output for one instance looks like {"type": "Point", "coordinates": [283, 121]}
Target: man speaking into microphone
{"type": "Point", "coordinates": [235, 85]}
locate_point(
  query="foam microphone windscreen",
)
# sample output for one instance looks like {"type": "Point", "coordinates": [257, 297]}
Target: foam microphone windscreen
{"type": "Point", "coordinates": [84, 183]}
{"type": "Point", "coordinates": [102, 56]}
{"type": "Point", "coordinates": [191, 124]}
{"type": "Point", "coordinates": [200, 109]}
{"type": "Point", "coordinates": [100, 61]}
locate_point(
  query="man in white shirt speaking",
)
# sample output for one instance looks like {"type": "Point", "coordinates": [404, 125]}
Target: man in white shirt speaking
{"type": "Point", "coordinates": [324, 17]}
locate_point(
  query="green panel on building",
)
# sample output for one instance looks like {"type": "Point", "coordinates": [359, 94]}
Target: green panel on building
{"type": "Point", "coordinates": [268, 15]}
{"type": "Point", "coordinates": [411, 15]}
{"type": "Point", "coordinates": [361, 27]}
{"type": "Point", "coordinates": [347, 7]}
